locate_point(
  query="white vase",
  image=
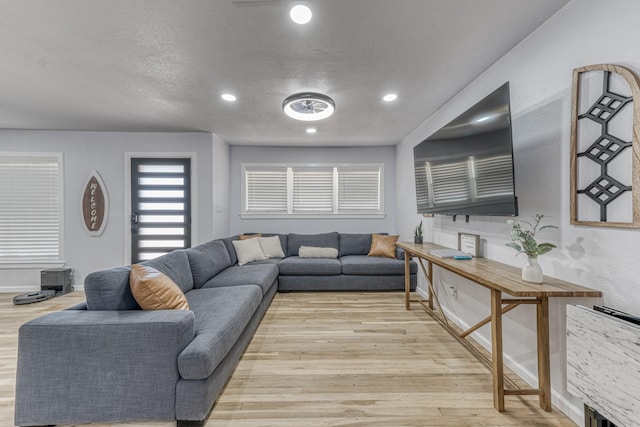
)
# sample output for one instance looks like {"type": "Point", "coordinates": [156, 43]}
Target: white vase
{"type": "Point", "coordinates": [531, 271]}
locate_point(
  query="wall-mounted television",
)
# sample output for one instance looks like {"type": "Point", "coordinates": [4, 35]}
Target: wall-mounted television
{"type": "Point", "coordinates": [466, 168]}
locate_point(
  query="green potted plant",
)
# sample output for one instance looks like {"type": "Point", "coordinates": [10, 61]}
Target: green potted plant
{"type": "Point", "coordinates": [523, 240]}
{"type": "Point", "coordinates": [417, 234]}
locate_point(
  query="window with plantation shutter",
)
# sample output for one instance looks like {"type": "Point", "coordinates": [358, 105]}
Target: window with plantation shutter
{"type": "Point", "coordinates": [266, 189]}
{"type": "Point", "coordinates": [312, 190]}
{"type": "Point", "coordinates": [319, 190]}
{"type": "Point", "coordinates": [359, 190]}
{"type": "Point", "coordinates": [30, 209]}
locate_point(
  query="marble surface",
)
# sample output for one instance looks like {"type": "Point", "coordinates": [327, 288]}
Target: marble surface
{"type": "Point", "coordinates": [603, 364]}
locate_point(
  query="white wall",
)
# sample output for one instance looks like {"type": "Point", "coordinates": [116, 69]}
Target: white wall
{"type": "Point", "coordinates": [105, 153]}
{"type": "Point", "coordinates": [240, 154]}
{"type": "Point", "coordinates": [220, 187]}
{"type": "Point", "coordinates": [540, 70]}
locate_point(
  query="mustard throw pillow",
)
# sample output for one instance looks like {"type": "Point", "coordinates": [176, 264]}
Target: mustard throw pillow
{"type": "Point", "coordinates": [248, 236]}
{"type": "Point", "coordinates": [154, 290]}
{"type": "Point", "coordinates": [383, 246]}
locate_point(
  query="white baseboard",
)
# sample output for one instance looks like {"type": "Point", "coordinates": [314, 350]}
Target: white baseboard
{"type": "Point", "coordinates": [27, 289]}
{"type": "Point", "coordinates": [559, 401]}
{"type": "Point", "coordinates": [19, 289]}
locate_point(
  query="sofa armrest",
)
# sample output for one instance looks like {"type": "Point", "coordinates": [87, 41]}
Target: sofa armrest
{"type": "Point", "coordinates": [79, 366]}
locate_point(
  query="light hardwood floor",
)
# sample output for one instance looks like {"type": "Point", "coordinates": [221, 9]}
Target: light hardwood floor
{"type": "Point", "coordinates": [333, 359]}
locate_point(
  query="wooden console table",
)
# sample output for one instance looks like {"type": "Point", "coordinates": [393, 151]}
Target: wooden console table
{"type": "Point", "coordinates": [498, 278]}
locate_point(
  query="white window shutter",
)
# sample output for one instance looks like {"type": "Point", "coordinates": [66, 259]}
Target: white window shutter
{"type": "Point", "coordinates": [359, 190]}
{"type": "Point", "coordinates": [30, 209]}
{"type": "Point", "coordinates": [266, 190]}
{"type": "Point", "coordinates": [313, 190]}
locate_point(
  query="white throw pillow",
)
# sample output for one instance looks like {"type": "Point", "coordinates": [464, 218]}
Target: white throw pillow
{"type": "Point", "coordinates": [248, 250]}
{"type": "Point", "coordinates": [313, 252]}
{"type": "Point", "coordinates": [271, 247]}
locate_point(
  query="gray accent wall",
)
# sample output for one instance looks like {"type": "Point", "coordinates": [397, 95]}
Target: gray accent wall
{"type": "Point", "coordinates": [251, 154]}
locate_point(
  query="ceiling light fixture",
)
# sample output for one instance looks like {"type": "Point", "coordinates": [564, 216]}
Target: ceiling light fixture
{"type": "Point", "coordinates": [308, 106]}
{"type": "Point", "coordinates": [228, 97]}
{"type": "Point", "coordinates": [300, 14]}
{"type": "Point", "coordinates": [311, 130]}
{"type": "Point", "coordinates": [390, 97]}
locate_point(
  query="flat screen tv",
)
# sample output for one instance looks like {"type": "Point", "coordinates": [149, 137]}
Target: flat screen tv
{"type": "Point", "coordinates": [466, 168]}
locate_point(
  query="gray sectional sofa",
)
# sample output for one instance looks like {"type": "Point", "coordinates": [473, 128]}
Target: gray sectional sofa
{"type": "Point", "coordinates": [107, 360]}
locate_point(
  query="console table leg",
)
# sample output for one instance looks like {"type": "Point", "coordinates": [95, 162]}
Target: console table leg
{"type": "Point", "coordinates": [430, 279]}
{"type": "Point", "coordinates": [544, 364]}
{"type": "Point", "coordinates": [496, 350]}
{"type": "Point", "coordinates": [407, 280]}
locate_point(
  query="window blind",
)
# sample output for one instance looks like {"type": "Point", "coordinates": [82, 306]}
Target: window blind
{"type": "Point", "coordinates": [266, 190]}
{"type": "Point", "coordinates": [359, 190]}
{"type": "Point", "coordinates": [30, 209]}
{"type": "Point", "coordinates": [312, 190]}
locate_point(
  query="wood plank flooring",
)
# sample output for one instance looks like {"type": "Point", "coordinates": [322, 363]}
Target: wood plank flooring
{"type": "Point", "coordinates": [333, 359]}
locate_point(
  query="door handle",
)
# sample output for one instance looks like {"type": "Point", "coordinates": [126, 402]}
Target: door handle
{"type": "Point", "coordinates": [134, 223]}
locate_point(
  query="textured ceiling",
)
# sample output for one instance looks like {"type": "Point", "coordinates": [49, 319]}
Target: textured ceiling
{"type": "Point", "coordinates": [131, 65]}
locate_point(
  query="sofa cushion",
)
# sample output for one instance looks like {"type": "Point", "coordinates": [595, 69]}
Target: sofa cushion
{"type": "Point", "coordinates": [313, 252]}
{"type": "Point", "coordinates": [302, 266]}
{"type": "Point", "coordinates": [324, 240]}
{"type": "Point", "coordinates": [154, 290]}
{"type": "Point", "coordinates": [263, 275]}
{"type": "Point", "coordinates": [207, 260]}
{"type": "Point", "coordinates": [109, 290]}
{"type": "Point", "coordinates": [221, 316]}
{"type": "Point", "coordinates": [248, 250]}
{"type": "Point", "coordinates": [175, 264]}
{"type": "Point", "coordinates": [366, 265]}
{"type": "Point", "coordinates": [383, 246]}
{"type": "Point", "coordinates": [354, 244]}
{"type": "Point", "coordinates": [283, 240]}
{"type": "Point", "coordinates": [271, 247]}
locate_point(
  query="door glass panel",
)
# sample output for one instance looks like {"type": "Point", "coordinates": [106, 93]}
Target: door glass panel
{"type": "Point", "coordinates": [161, 181]}
{"type": "Point", "coordinates": [162, 244]}
{"type": "Point", "coordinates": [161, 169]}
{"type": "Point", "coordinates": [178, 194]}
{"type": "Point", "coordinates": [154, 219]}
{"type": "Point", "coordinates": [144, 231]}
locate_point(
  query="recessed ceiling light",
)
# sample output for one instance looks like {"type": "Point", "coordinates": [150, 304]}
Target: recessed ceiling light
{"type": "Point", "coordinates": [312, 130]}
{"type": "Point", "coordinates": [228, 97]}
{"type": "Point", "coordinates": [308, 106]}
{"type": "Point", "coordinates": [300, 14]}
{"type": "Point", "coordinates": [390, 97]}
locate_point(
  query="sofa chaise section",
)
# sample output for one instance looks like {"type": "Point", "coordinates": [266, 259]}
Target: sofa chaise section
{"type": "Point", "coordinates": [109, 361]}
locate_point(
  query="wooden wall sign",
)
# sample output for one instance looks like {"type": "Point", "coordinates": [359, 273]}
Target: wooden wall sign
{"type": "Point", "coordinates": [605, 155]}
{"type": "Point", "coordinates": [95, 205]}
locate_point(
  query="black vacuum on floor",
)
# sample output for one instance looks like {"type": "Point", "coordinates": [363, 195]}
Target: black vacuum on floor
{"type": "Point", "coordinates": [53, 282]}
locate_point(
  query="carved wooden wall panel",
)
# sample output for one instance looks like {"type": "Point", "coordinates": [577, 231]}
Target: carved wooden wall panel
{"type": "Point", "coordinates": [605, 156]}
